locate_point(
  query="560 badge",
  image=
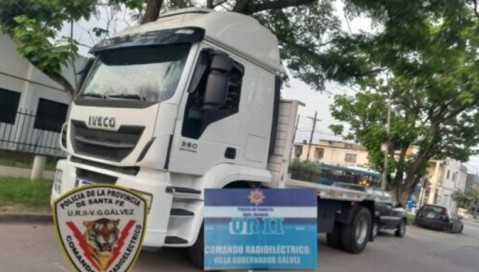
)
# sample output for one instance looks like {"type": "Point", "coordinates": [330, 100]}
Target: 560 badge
{"type": "Point", "coordinates": [101, 227]}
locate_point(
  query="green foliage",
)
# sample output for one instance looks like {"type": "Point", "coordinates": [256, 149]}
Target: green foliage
{"type": "Point", "coordinates": [312, 46]}
{"type": "Point", "coordinates": [33, 42]}
{"type": "Point", "coordinates": [35, 27]}
{"type": "Point", "coordinates": [304, 170]}
{"type": "Point", "coordinates": [468, 200]}
{"type": "Point", "coordinates": [427, 54]}
{"type": "Point", "coordinates": [22, 191]}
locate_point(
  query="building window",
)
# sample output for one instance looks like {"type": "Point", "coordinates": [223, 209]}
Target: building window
{"type": "Point", "coordinates": [350, 158]}
{"type": "Point", "coordinates": [8, 106]}
{"type": "Point", "coordinates": [50, 115]}
{"type": "Point", "coordinates": [319, 153]}
{"type": "Point", "coordinates": [447, 174]}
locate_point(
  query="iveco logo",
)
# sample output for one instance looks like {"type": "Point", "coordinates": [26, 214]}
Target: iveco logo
{"type": "Point", "coordinates": [101, 121]}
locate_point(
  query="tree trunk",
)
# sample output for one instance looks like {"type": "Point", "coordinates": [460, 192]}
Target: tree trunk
{"type": "Point", "coordinates": [209, 4]}
{"type": "Point", "coordinates": [242, 6]}
{"type": "Point", "coordinates": [152, 11]}
{"type": "Point", "coordinates": [180, 3]}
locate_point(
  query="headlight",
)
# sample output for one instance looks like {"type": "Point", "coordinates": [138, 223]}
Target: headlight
{"type": "Point", "coordinates": [57, 181]}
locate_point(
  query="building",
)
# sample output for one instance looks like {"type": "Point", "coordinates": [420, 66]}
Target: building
{"type": "Point", "coordinates": [444, 178]}
{"type": "Point", "coordinates": [333, 152]}
{"type": "Point", "coordinates": [472, 182]}
{"type": "Point", "coordinates": [33, 107]}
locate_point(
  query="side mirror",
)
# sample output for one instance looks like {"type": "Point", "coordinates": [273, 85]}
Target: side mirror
{"type": "Point", "coordinates": [217, 84]}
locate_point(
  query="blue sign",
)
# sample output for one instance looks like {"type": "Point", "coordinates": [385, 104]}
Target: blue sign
{"type": "Point", "coordinates": [260, 229]}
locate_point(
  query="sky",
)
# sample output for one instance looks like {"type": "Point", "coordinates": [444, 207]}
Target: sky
{"type": "Point", "coordinates": [314, 101]}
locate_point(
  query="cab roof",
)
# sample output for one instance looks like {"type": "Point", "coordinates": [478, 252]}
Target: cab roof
{"type": "Point", "coordinates": [237, 33]}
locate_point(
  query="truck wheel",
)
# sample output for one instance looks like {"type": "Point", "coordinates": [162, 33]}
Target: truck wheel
{"type": "Point", "coordinates": [354, 237]}
{"type": "Point", "coordinates": [334, 238]}
{"type": "Point", "coordinates": [196, 252]}
{"type": "Point", "coordinates": [401, 230]}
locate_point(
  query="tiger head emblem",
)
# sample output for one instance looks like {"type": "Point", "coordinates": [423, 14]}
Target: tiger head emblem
{"type": "Point", "coordinates": [101, 236]}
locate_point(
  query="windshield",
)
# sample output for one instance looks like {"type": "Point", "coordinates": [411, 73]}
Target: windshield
{"type": "Point", "coordinates": [147, 73]}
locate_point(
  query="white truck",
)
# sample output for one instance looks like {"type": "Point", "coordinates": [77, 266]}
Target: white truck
{"type": "Point", "coordinates": [189, 102]}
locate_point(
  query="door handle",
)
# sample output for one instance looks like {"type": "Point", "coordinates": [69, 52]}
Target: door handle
{"type": "Point", "coordinates": [230, 153]}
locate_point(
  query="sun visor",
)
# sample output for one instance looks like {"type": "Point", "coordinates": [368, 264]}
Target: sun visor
{"type": "Point", "coordinates": [166, 36]}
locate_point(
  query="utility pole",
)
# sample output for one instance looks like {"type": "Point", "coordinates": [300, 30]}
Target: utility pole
{"type": "Point", "coordinates": [315, 119]}
{"type": "Point", "coordinates": [295, 129]}
{"type": "Point", "coordinates": [386, 147]}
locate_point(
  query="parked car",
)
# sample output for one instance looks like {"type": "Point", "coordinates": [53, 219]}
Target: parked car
{"type": "Point", "coordinates": [388, 215]}
{"type": "Point", "coordinates": [438, 217]}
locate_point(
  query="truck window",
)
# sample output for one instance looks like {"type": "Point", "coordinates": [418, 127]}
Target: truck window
{"type": "Point", "coordinates": [196, 119]}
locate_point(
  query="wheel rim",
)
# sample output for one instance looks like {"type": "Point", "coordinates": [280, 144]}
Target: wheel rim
{"type": "Point", "coordinates": [361, 231]}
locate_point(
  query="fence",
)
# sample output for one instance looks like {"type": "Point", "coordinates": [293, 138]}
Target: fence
{"type": "Point", "coordinates": [26, 132]}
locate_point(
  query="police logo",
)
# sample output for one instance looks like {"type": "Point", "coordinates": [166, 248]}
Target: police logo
{"type": "Point", "coordinates": [100, 227]}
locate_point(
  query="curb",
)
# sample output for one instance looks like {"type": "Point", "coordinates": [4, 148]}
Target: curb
{"type": "Point", "coordinates": [26, 218]}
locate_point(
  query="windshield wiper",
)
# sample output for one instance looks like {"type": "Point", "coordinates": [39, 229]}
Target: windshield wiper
{"type": "Point", "coordinates": [94, 95]}
{"type": "Point", "coordinates": [128, 96]}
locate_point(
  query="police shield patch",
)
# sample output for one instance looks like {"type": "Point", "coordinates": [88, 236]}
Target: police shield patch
{"type": "Point", "coordinates": [100, 227]}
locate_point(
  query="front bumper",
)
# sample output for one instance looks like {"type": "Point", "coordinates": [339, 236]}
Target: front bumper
{"type": "Point", "coordinates": [153, 183]}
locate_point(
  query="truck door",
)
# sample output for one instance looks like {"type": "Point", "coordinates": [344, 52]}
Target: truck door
{"type": "Point", "coordinates": [208, 133]}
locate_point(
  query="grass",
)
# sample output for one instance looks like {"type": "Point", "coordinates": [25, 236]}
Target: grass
{"type": "Point", "coordinates": [50, 165]}
{"type": "Point", "coordinates": [410, 218]}
{"type": "Point", "coordinates": [23, 195]}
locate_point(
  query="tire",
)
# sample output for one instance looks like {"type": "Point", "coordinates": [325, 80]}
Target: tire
{"type": "Point", "coordinates": [460, 230]}
{"type": "Point", "coordinates": [401, 230]}
{"type": "Point", "coordinates": [375, 230]}
{"type": "Point", "coordinates": [196, 253]}
{"type": "Point", "coordinates": [354, 237]}
{"type": "Point", "coordinates": [333, 239]}
{"type": "Point", "coordinates": [450, 228]}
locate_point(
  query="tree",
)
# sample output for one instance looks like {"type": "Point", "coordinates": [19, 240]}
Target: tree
{"type": "Point", "coordinates": [468, 200]}
{"type": "Point", "coordinates": [35, 27]}
{"type": "Point", "coordinates": [311, 43]}
{"type": "Point", "coordinates": [428, 57]}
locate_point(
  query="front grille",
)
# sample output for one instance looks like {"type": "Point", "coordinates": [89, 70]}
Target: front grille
{"type": "Point", "coordinates": [110, 145]}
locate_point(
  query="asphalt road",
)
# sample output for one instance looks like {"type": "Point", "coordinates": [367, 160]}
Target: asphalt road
{"type": "Point", "coordinates": [26, 247]}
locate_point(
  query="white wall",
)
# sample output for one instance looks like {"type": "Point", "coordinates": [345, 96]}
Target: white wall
{"type": "Point", "coordinates": [335, 153]}
{"type": "Point", "coordinates": [453, 179]}
{"type": "Point", "coordinates": [18, 75]}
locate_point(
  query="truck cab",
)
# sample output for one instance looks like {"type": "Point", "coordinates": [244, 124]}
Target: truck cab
{"type": "Point", "coordinates": [170, 108]}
